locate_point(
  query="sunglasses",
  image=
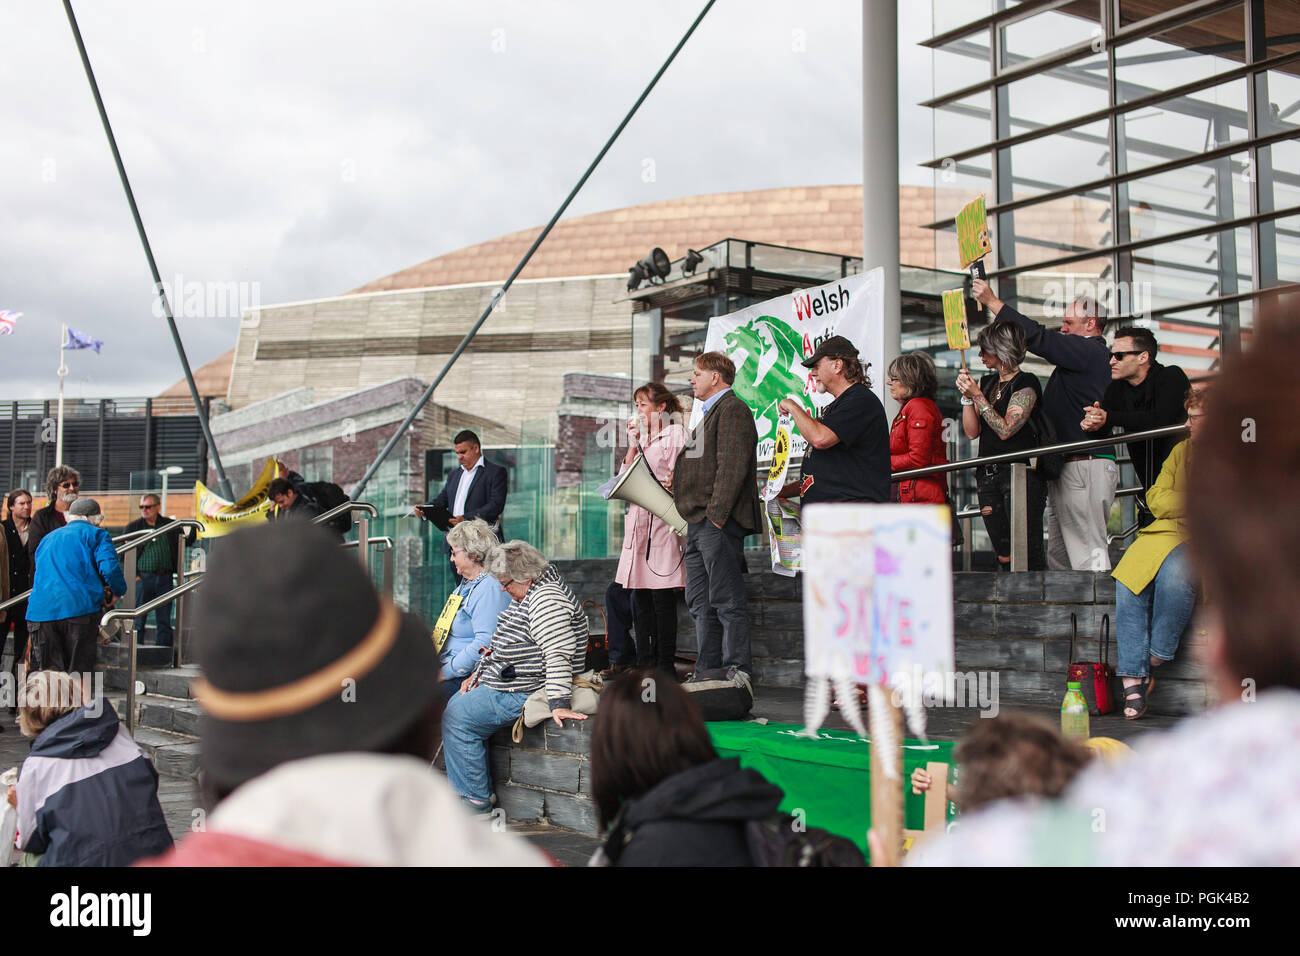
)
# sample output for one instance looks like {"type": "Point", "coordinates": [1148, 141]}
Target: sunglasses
{"type": "Point", "coordinates": [1120, 356]}
{"type": "Point", "coordinates": [147, 507]}
{"type": "Point", "coordinates": [70, 484]}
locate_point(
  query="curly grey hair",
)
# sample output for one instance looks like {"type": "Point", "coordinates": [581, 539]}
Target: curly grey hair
{"type": "Point", "coordinates": [516, 561]}
{"type": "Point", "coordinates": [475, 538]}
{"type": "Point", "coordinates": [1005, 341]}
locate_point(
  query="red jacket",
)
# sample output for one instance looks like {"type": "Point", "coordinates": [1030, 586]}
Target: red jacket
{"type": "Point", "coordinates": [916, 441]}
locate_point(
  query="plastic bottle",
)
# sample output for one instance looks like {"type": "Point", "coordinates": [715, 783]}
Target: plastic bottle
{"type": "Point", "coordinates": [1074, 713]}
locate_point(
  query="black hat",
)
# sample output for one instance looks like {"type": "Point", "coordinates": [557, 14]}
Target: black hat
{"type": "Point", "coordinates": [837, 346]}
{"type": "Point", "coordinates": [300, 655]}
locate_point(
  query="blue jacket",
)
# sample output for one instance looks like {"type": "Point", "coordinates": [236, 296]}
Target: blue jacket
{"type": "Point", "coordinates": [73, 563]}
{"type": "Point", "coordinates": [88, 796]}
{"type": "Point", "coordinates": [474, 624]}
{"type": "Point", "coordinates": [1081, 376]}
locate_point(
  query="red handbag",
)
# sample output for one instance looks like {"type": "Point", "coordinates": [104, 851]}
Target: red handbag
{"type": "Point", "coordinates": [1094, 678]}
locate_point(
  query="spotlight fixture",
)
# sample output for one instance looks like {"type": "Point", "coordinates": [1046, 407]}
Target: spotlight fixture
{"type": "Point", "coordinates": [635, 276]}
{"type": "Point", "coordinates": [691, 263]}
{"type": "Point", "coordinates": [656, 265]}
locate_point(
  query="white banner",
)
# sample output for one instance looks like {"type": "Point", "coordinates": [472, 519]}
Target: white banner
{"type": "Point", "coordinates": [769, 341]}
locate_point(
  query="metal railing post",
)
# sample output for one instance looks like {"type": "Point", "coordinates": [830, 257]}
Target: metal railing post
{"type": "Point", "coordinates": [1019, 517]}
{"type": "Point", "coordinates": [387, 572]}
{"type": "Point", "coordinates": [363, 540]}
{"type": "Point", "coordinates": [128, 628]}
{"type": "Point", "coordinates": [179, 629]}
{"type": "Point", "coordinates": [128, 572]}
{"type": "Point", "coordinates": [966, 526]}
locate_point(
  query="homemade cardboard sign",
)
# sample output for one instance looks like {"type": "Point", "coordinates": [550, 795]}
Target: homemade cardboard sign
{"type": "Point", "coordinates": [954, 320]}
{"type": "Point", "coordinates": [877, 599]}
{"type": "Point", "coordinates": [973, 232]}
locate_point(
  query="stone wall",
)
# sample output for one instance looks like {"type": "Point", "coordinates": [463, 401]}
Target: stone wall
{"type": "Point", "coordinates": [1015, 624]}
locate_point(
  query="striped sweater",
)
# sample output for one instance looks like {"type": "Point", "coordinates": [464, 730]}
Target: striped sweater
{"type": "Point", "coordinates": [539, 640]}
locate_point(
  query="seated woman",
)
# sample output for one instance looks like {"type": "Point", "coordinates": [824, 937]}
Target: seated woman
{"type": "Point", "coordinates": [661, 791]}
{"type": "Point", "coordinates": [916, 435]}
{"type": "Point", "coordinates": [540, 641]}
{"type": "Point", "coordinates": [478, 600]}
{"type": "Point", "coordinates": [1155, 589]}
{"type": "Point", "coordinates": [87, 794]}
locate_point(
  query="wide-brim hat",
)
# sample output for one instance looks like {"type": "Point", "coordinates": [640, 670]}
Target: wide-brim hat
{"type": "Point", "coordinates": [837, 346]}
{"type": "Point", "coordinates": [300, 655]}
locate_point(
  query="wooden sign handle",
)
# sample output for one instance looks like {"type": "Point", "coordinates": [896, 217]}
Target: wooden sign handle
{"type": "Point", "coordinates": [886, 782]}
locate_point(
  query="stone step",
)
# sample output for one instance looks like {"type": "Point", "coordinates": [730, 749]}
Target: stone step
{"type": "Point", "coordinates": [169, 714]}
{"type": "Point", "coordinates": [167, 682]}
{"type": "Point", "coordinates": [173, 755]}
{"type": "Point", "coordinates": [116, 655]}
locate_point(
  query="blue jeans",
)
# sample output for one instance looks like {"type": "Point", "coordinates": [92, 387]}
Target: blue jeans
{"type": "Point", "coordinates": [1151, 624]}
{"type": "Point", "coordinates": [467, 723]}
{"type": "Point", "coordinates": [147, 587]}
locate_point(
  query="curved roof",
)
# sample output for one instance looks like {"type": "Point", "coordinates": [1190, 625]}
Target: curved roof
{"type": "Point", "coordinates": [821, 218]}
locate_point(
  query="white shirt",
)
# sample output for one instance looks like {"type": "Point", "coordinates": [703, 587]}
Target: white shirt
{"type": "Point", "coordinates": [462, 489]}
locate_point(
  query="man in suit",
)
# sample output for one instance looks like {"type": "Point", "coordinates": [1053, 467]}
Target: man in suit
{"type": "Point", "coordinates": [716, 491]}
{"type": "Point", "coordinates": [477, 489]}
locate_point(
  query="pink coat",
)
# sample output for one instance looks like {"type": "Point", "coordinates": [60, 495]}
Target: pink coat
{"type": "Point", "coordinates": [665, 567]}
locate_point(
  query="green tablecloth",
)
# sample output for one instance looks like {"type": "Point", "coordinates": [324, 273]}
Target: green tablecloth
{"type": "Point", "coordinates": [828, 776]}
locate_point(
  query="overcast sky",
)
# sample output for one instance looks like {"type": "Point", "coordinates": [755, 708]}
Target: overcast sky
{"type": "Point", "coordinates": [302, 149]}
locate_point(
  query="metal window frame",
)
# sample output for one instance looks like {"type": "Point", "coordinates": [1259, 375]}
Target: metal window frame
{"type": "Point", "coordinates": [1159, 23]}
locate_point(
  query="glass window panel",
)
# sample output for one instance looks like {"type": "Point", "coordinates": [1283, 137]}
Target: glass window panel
{"type": "Point", "coordinates": [948, 198]}
{"type": "Point", "coordinates": [1057, 94]}
{"type": "Point", "coordinates": [950, 14]}
{"type": "Point", "coordinates": [1187, 198]}
{"type": "Point", "coordinates": [1281, 29]}
{"type": "Point", "coordinates": [1050, 31]}
{"type": "Point", "coordinates": [1188, 270]}
{"type": "Point", "coordinates": [962, 124]}
{"type": "Point", "coordinates": [1184, 126]}
{"type": "Point", "coordinates": [1193, 51]}
{"type": "Point", "coordinates": [961, 63]}
{"type": "Point", "coordinates": [1056, 228]}
{"type": "Point", "coordinates": [1287, 233]}
{"type": "Point", "coordinates": [1277, 98]}
{"type": "Point", "coordinates": [1064, 159]}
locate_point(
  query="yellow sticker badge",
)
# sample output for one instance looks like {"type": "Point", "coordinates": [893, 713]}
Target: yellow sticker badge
{"type": "Point", "coordinates": [780, 458]}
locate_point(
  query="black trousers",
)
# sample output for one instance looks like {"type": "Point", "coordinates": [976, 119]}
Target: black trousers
{"type": "Point", "coordinates": [995, 493]}
{"type": "Point", "coordinates": [656, 627]}
{"type": "Point", "coordinates": [67, 645]}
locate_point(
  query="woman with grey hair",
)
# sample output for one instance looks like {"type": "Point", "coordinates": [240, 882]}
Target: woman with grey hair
{"type": "Point", "coordinates": [469, 619]}
{"type": "Point", "coordinates": [997, 411]}
{"type": "Point", "coordinates": [540, 641]}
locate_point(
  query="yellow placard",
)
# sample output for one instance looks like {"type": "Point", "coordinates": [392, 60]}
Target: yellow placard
{"type": "Point", "coordinates": [220, 516]}
{"type": "Point", "coordinates": [973, 232]}
{"type": "Point", "coordinates": [442, 627]}
{"type": "Point", "coordinates": [954, 320]}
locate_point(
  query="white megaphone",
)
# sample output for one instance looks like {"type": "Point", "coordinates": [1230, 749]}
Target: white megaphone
{"type": "Point", "coordinates": [639, 486]}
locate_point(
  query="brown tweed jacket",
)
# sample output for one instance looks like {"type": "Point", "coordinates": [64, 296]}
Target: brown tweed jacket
{"type": "Point", "coordinates": [716, 473]}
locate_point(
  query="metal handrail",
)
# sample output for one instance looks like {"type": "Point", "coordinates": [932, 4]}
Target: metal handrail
{"type": "Point", "coordinates": [348, 506]}
{"type": "Point", "coordinates": [137, 538]}
{"type": "Point", "coordinates": [128, 616]}
{"type": "Point", "coordinates": [1064, 448]}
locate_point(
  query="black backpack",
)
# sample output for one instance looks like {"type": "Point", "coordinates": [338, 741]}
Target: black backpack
{"type": "Point", "coordinates": [328, 495]}
{"type": "Point", "coordinates": [1049, 467]}
{"type": "Point", "coordinates": [777, 841]}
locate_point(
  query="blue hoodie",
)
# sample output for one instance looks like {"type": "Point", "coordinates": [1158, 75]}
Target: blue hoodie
{"type": "Point", "coordinates": [88, 796]}
{"type": "Point", "coordinates": [73, 563]}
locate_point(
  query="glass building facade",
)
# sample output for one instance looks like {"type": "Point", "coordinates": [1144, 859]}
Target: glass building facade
{"type": "Point", "coordinates": [1145, 152]}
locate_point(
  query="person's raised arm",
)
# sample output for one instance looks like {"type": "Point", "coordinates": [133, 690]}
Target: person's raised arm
{"type": "Point", "coordinates": [1019, 409]}
{"type": "Point", "coordinates": [110, 567]}
{"type": "Point", "coordinates": [813, 431]}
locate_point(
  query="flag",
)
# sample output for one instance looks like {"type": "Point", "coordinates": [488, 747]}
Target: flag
{"type": "Point", "coordinates": [7, 321]}
{"type": "Point", "coordinates": [79, 340]}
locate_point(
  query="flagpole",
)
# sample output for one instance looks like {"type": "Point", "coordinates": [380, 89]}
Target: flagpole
{"type": "Point", "coordinates": [63, 373]}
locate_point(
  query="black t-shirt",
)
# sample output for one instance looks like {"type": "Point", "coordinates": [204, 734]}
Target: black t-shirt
{"type": "Point", "coordinates": [856, 468]}
{"type": "Point", "coordinates": [1026, 436]}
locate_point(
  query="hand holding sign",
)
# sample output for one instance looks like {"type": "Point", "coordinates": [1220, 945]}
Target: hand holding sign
{"type": "Point", "coordinates": [954, 322]}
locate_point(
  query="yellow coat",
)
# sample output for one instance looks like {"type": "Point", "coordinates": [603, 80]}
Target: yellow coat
{"type": "Point", "coordinates": [1142, 560]}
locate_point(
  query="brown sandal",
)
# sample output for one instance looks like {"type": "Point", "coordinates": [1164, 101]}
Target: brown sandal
{"type": "Point", "coordinates": [1138, 703]}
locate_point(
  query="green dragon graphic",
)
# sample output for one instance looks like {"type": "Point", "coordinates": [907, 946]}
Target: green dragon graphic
{"type": "Point", "coordinates": [764, 349]}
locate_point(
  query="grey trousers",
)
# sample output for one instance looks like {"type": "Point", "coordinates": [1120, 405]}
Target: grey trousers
{"type": "Point", "coordinates": [715, 594]}
{"type": "Point", "coordinates": [1078, 507]}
